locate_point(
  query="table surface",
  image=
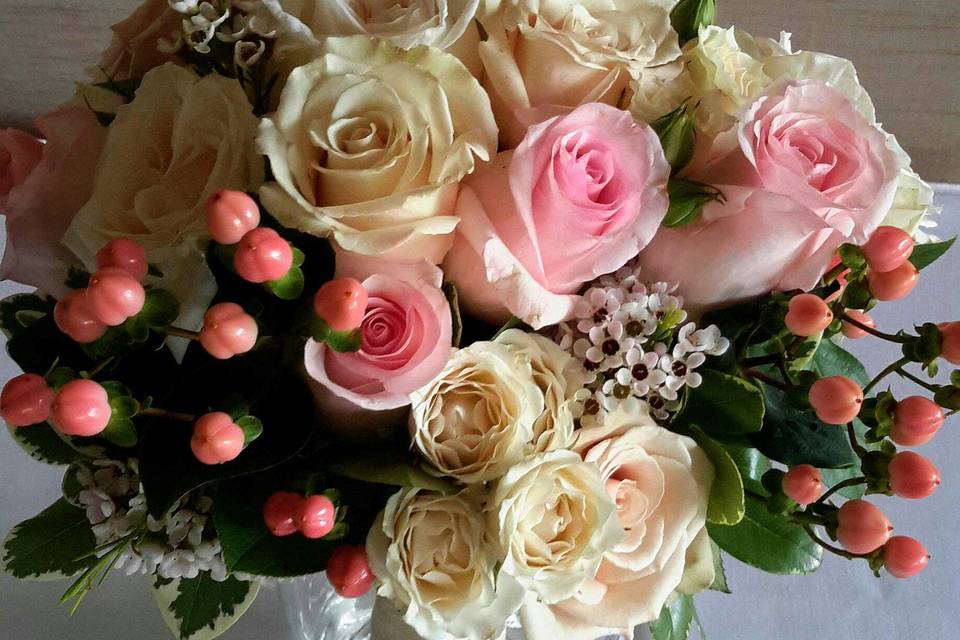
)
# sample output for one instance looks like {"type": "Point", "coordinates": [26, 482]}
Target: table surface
{"type": "Point", "coordinates": [903, 50]}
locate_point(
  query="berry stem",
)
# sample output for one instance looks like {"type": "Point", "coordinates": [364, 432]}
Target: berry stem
{"type": "Point", "coordinates": [177, 332]}
{"type": "Point", "coordinates": [854, 443]}
{"type": "Point", "coordinates": [909, 376]}
{"type": "Point", "coordinates": [163, 413]}
{"type": "Point", "coordinates": [832, 275]}
{"type": "Point", "coordinates": [849, 482]}
{"type": "Point", "coordinates": [762, 377]}
{"type": "Point", "coordinates": [757, 361]}
{"type": "Point", "coordinates": [829, 547]}
{"type": "Point", "coordinates": [895, 367]}
{"type": "Point", "coordinates": [865, 327]}
{"type": "Point", "coordinates": [100, 367]}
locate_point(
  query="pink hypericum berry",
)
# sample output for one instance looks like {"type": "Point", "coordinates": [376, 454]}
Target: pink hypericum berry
{"type": "Point", "coordinates": [836, 400]}
{"type": "Point", "coordinates": [227, 331]}
{"type": "Point", "coordinates": [802, 484]}
{"type": "Point", "coordinates": [349, 572]}
{"type": "Point", "coordinates": [280, 513]}
{"type": "Point", "coordinates": [861, 527]}
{"type": "Point", "coordinates": [262, 256]}
{"type": "Point", "coordinates": [126, 254]}
{"type": "Point", "coordinates": [341, 303]}
{"type": "Point", "coordinates": [230, 215]}
{"type": "Point", "coordinates": [887, 249]}
{"type": "Point", "coordinates": [807, 315]}
{"type": "Point", "coordinates": [316, 516]}
{"type": "Point", "coordinates": [893, 285]}
{"type": "Point", "coordinates": [950, 342]}
{"type": "Point", "coordinates": [81, 408]}
{"type": "Point", "coordinates": [25, 400]}
{"type": "Point", "coordinates": [216, 439]}
{"type": "Point", "coordinates": [904, 557]}
{"type": "Point", "coordinates": [852, 331]}
{"type": "Point", "coordinates": [75, 318]}
{"type": "Point", "coordinates": [114, 295]}
{"type": "Point", "coordinates": [915, 420]}
{"type": "Point", "coordinates": [912, 475]}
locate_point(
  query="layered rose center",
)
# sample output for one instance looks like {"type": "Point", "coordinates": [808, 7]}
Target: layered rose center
{"type": "Point", "coordinates": [390, 333]}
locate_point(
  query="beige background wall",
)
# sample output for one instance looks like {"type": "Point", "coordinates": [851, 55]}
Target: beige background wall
{"type": "Point", "coordinates": [907, 53]}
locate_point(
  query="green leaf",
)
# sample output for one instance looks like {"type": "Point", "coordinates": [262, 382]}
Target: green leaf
{"type": "Point", "coordinates": [389, 467]}
{"type": "Point", "coordinates": [676, 133]}
{"type": "Point", "coordinates": [125, 88]}
{"type": "Point", "coordinates": [252, 428]}
{"type": "Point", "coordinates": [723, 406]}
{"type": "Point", "coordinates": [160, 308]}
{"type": "Point", "coordinates": [339, 341]}
{"type": "Point", "coordinates": [719, 573]}
{"type": "Point", "coordinates": [726, 496]}
{"type": "Point", "coordinates": [752, 465]}
{"type": "Point", "coordinates": [48, 546]}
{"type": "Point", "coordinates": [201, 608]}
{"type": "Point", "coordinates": [453, 298]}
{"type": "Point", "coordinates": [768, 542]}
{"type": "Point", "coordinates": [121, 432]}
{"type": "Point", "coordinates": [290, 286]}
{"type": "Point", "coordinates": [687, 200]}
{"type": "Point", "coordinates": [42, 443]}
{"type": "Point", "coordinates": [689, 15]}
{"type": "Point", "coordinates": [299, 257]}
{"type": "Point", "coordinates": [926, 254]}
{"type": "Point", "coordinates": [19, 311]}
{"type": "Point", "coordinates": [831, 359]}
{"type": "Point", "coordinates": [796, 437]}
{"type": "Point", "coordinates": [675, 620]}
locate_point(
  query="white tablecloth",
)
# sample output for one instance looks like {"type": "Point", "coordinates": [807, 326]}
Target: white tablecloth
{"type": "Point", "coordinates": [842, 601]}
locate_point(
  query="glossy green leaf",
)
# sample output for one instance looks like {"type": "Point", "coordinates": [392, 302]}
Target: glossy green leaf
{"type": "Point", "coordinates": [768, 542]}
{"type": "Point", "coordinates": [252, 428]}
{"type": "Point", "coordinates": [687, 200]}
{"type": "Point", "coordinates": [675, 621]}
{"type": "Point", "coordinates": [752, 465]}
{"type": "Point", "coordinates": [49, 545]}
{"type": "Point", "coordinates": [290, 286]}
{"type": "Point", "coordinates": [723, 406]}
{"type": "Point", "coordinates": [19, 311]}
{"type": "Point", "coordinates": [689, 15]}
{"type": "Point", "coordinates": [831, 359]}
{"type": "Point", "coordinates": [726, 495]}
{"type": "Point", "coordinates": [201, 608]}
{"type": "Point", "coordinates": [719, 572]}
{"type": "Point", "coordinates": [160, 308]}
{"type": "Point", "coordinates": [926, 254]}
{"type": "Point", "coordinates": [42, 443]}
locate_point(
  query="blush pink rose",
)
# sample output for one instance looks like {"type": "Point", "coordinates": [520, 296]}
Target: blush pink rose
{"type": "Point", "coordinates": [809, 174]}
{"type": "Point", "coordinates": [20, 152]}
{"type": "Point", "coordinates": [40, 208]}
{"type": "Point", "coordinates": [405, 335]}
{"type": "Point", "coordinates": [580, 196]}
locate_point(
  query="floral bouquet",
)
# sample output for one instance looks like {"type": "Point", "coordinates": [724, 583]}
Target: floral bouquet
{"type": "Point", "coordinates": [520, 311]}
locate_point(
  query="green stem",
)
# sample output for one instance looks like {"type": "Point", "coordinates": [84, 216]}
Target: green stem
{"type": "Point", "coordinates": [163, 413]}
{"type": "Point", "coordinates": [832, 275]}
{"type": "Point", "coordinates": [895, 367]}
{"type": "Point", "coordinates": [829, 547]}
{"type": "Point", "coordinates": [854, 443]}
{"type": "Point", "coordinates": [177, 332]}
{"type": "Point", "coordinates": [762, 377]}
{"type": "Point", "coordinates": [849, 482]}
{"type": "Point", "coordinates": [874, 332]}
{"type": "Point", "coordinates": [757, 361]}
{"type": "Point", "coordinates": [909, 376]}
{"type": "Point", "coordinates": [100, 367]}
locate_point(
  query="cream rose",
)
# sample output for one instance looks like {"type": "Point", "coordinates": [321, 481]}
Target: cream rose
{"type": "Point", "coordinates": [438, 23]}
{"type": "Point", "coordinates": [660, 483]}
{"type": "Point", "coordinates": [181, 139]}
{"type": "Point", "coordinates": [554, 521]}
{"type": "Point", "coordinates": [368, 145]}
{"type": "Point", "coordinates": [134, 49]}
{"type": "Point", "coordinates": [476, 419]}
{"type": "Point", "coordinates": [559, 377]}
{"type": "Point", "coordinates": [542, 58]}
{"type": "Point", "coordinates": [435, 560]}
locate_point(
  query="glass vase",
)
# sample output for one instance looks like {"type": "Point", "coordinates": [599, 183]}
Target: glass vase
{"type": "Point", "coordinates": [314, 611]}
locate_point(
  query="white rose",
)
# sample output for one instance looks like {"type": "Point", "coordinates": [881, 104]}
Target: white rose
{"type": "Point", "coordinates": [559, 377]}
{"type": "Point", "coordinates": [437, 23]}
{"type": "Point", "coordinates": [436, 561]}
{"type": "Point", "coordinates": [913, 208]}
{"type": "Point", "coordinates": [544, 57]}
{"type": "Point", "coordinates": [554, 521]}
{"type": "Point", "coordinates": [182, 138]}
{"type": "Point", "coordinates": [660, 483]}
{"type": "Point", "coordinates": [476, 419]}
{"type": "Point", "coordinates": [133, 50]}
{"type": "Point", "coordinates": [368, 145]}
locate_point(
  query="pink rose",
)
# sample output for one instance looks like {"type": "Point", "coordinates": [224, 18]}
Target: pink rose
{"type": "Point", "coordinates": [40, 208]}
{"type": "Point", "coordinates": [20, 152]}
{"type": "Point", "coordinates": [580, 196]}
{"type": "Point", "coordinates": [134, 49]}
{"type": "Point", "coordinates": [406, 340]}
{"type": "Point", "coordinates": [810, 174]}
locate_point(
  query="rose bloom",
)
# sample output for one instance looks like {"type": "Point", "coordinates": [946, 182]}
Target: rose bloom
{"type": "Point", "coordinates": [438, 23]}
{"type": "Point", "coordinates": [436, 561]}
{"type": "Point", "coordinates": [405, 341]}
{"type": "Point", "coordinates": [133, 50]}
{"type": "Point", "coordinates": [810, 174]}
{"type": "Point", "coordinates": [475, 420]}
{"type": "Point", "coordinates": [578, 198]}
{"type": "Point", "coordinates": [554, 521]}
{"type": "Point", "coordinates": [542, 58]}
{"type": "Point", "coordinates": [368, 145]}
{"type": "Point", "coordinates": [41, 189]}
{"type": "Point", "coordinates": [660, 483]}
{"type": "Point", "coordinates": [165, 155]}
{"type": "Point", "coordinates": [559, 376]}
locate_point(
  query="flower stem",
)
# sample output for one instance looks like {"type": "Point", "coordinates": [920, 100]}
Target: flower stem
{"type": "Point", "coordinates": [163, 413]}
{"type": "Point", "coordinates": [762, 377]}
{"type": "Point", "coordinates": [829, 547]}
{"type": "Point", "coordinates": [854, 443]}
{"type": "Point", "coordinates": [895, 367]}
{"type": "Point", "coordinates": [874, 332]}
{"type": "Point", "coordinates": [177, 332]}
{"type": "Point", "coordinates": [909, 376]}
{"type": "Point", "coordinates": [849, 482]}
{"type": "Point", "coordinates": [100, 367]}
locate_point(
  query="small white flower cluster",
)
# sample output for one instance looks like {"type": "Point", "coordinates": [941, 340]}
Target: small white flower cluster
{"type": "Point", "coordinates": [244, 23]}
{"type": "Point", "coordinates": [172, 547]}
{"type": "Point", "coordinates": [625, 334]}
